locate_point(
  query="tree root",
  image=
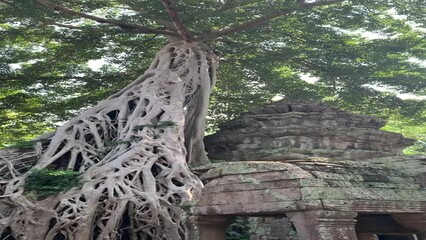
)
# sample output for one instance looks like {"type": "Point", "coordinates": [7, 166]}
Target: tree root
{"type": "Point", "coordinates": [132, 151]}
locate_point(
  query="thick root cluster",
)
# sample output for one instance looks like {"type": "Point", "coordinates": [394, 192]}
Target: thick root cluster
{"type": "Point", "coordinates": [132, 151]}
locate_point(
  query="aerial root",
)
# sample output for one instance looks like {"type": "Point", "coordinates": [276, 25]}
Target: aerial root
{"type": "Point", "coordinates": [132, 151]}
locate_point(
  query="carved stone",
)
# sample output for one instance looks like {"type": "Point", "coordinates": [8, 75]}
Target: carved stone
{"type": "Point", "coordinates": [319, 166]}
{"type": "Point", "coordinates": [298, 130]}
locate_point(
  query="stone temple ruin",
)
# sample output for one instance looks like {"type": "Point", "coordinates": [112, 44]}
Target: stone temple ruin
{"type": "Point", "coordinates": [312, 172]}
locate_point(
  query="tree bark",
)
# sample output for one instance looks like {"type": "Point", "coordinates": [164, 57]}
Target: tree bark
{"type": "Point", "coordinates": [133, 151]}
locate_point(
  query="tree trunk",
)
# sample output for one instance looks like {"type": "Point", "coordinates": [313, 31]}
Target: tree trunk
{"type": "Point", "coordinates": [133, 151]}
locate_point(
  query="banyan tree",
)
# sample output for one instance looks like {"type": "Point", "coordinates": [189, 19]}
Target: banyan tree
{"type": "Point", "coordinates": [129, 154]}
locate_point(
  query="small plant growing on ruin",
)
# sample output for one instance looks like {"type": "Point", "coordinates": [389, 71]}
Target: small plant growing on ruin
{"type": "Point", "coordinates": [42, 182]}
{"type": "Point", "coordinates": [162, 124]}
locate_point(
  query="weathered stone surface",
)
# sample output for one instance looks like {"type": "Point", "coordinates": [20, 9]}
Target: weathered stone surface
{"type": "Point", "coordinates": [374, 206]}
{"type": "Point", "coordinates": [319, 166]}
{"type": "Point", "coordinates": [298, 130]}
{"type": "Point", "coordinates": [271, 187]}
{"type": "Point", "coordinates": [258, 209]}
{"type": "Point", "coordinates": [324, 225]}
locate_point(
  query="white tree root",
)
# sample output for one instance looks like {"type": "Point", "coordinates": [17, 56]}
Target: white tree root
{"type": "Point", "coordinates": [132, 150]}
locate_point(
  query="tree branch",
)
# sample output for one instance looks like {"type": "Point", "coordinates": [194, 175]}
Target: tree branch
{"type": "Point", "coordinates": [123, 25]}
{"type": "Point", "coordinates": [263, 19]}
{"type": "Point", "coordinates": [174, 16]}
{"type": "Point", "coordinates": [168, 24]}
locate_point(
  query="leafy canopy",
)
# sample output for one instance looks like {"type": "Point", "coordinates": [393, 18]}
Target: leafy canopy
{"type": "Point", "coordinates": [267, 48]}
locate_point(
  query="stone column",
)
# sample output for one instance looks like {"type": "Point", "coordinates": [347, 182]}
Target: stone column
{"type": "Point", "coordinates": [415, 221]}
{"type": "Point", "coordinates": [324, 225]}
{"type": "Point", "coordinates": [208, 227]}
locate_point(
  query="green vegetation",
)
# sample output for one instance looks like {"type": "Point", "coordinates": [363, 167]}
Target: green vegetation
{"type": "Point", "coordinates": [410, 128]}
{"type": "Point", "coordinates": [42, 183]}
{"type": "Point", "coordinates": [28, 144]}
{"type": "Point", "coordinates": [348, 50]}
{"type": "Point", "coordinates": [161, 124]}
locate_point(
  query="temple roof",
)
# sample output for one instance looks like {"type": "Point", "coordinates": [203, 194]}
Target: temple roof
{"type": "Point", "coordinates": [308, 156]}
{"type": "Point", "coordinates": [299, 130]}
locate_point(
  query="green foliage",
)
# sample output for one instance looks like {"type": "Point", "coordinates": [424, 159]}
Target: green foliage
{"type": "Point", "coordinates": [42, 183]}
{"type": "Point", "coordinates": [419, 147]}
{"type": "Point", "coordinates": [410, 128]}
{"type": "Point", "coordinates": [161, 124]}
{"type": "Point", "coordinates": [45, 76]}
{"type": "Point", "coordinates": [28, 144]}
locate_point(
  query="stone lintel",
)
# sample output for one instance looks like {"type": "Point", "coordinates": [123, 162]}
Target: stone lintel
{"type": "Point", "coordinates": [374, 206]}
{"type": "Point", "coordinates": [258, 209]}
{"type": "Point", "coordinates": [324, 225]}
